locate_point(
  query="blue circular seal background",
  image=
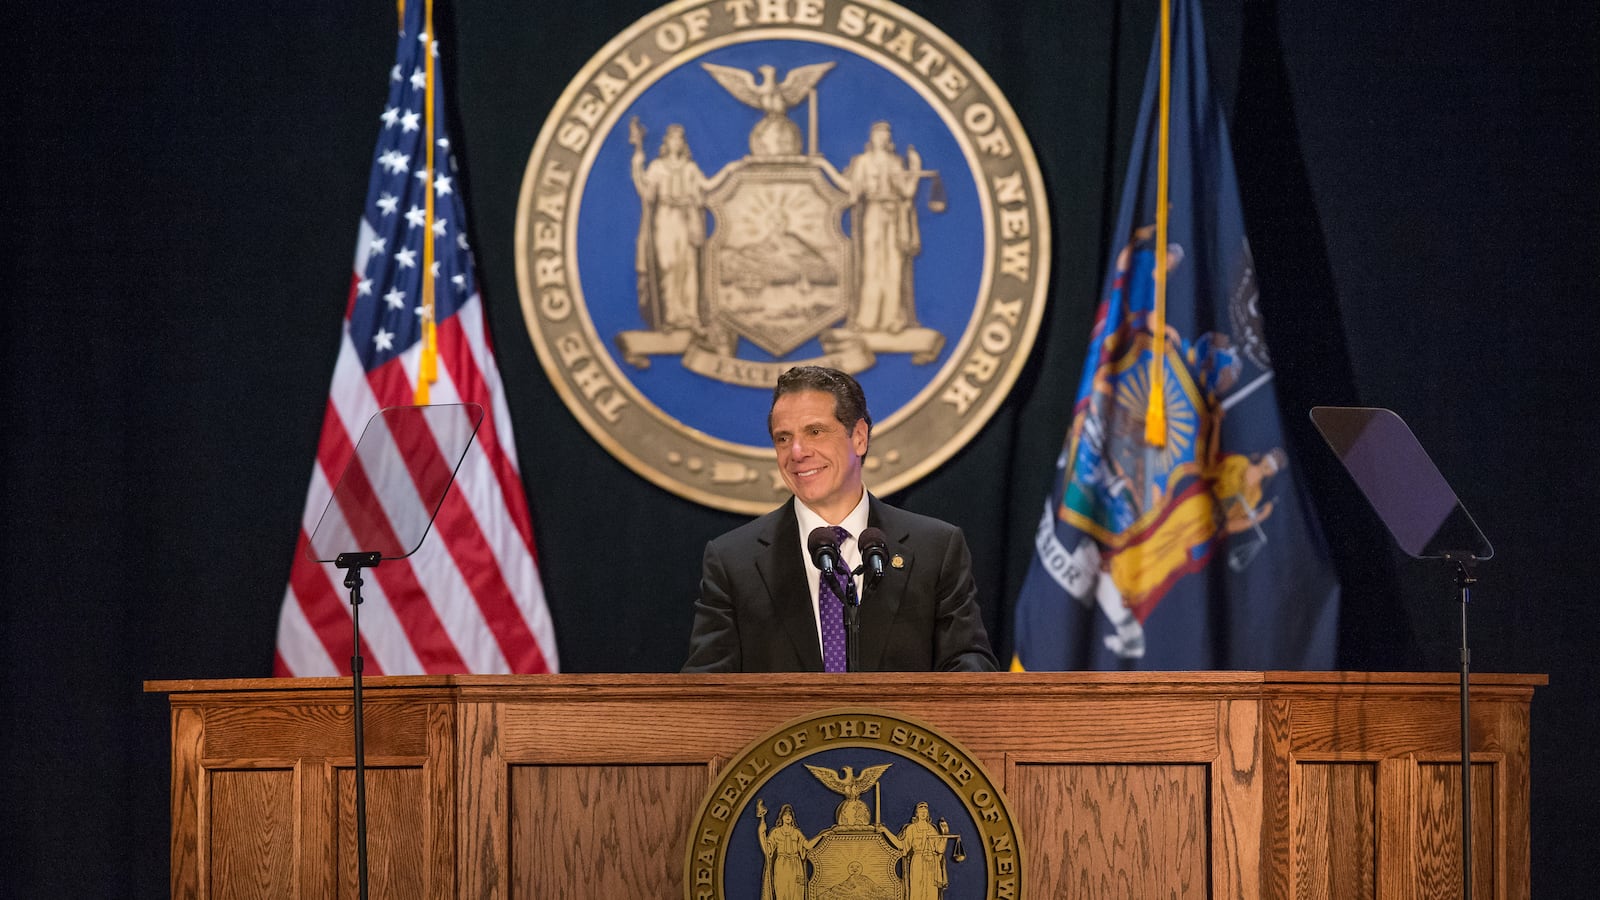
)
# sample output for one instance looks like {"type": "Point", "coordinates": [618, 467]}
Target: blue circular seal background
{"type": "Point", "coordinates": [856, 93]}
{"type": "Point", "coordinates": [902, 787]}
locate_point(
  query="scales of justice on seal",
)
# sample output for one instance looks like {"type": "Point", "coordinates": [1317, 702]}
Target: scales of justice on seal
{"type": "Point", "coordinates": [778, 266]}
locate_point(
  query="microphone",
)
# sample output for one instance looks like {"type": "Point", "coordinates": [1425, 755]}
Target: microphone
{"type": "Point", "coordinates": [874, 552]}
{"type": "Point", "coordinates": [824, 549]}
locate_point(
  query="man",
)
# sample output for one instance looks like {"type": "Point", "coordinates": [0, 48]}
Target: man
{"type": "Point", "coordinates": [760, 596]}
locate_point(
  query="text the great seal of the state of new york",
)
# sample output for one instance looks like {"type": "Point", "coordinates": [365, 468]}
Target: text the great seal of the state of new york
{"type": "Point", "coordinates": [731, 188]}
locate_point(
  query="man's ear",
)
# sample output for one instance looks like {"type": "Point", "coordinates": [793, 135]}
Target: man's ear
{"type": "Point", "coordinates": [859, 437]}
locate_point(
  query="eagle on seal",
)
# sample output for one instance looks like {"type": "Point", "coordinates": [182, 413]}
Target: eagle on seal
{"type": "Point", "coordinates": [776, 134]}
{"type": "Point", "coordinates": [852, 811]}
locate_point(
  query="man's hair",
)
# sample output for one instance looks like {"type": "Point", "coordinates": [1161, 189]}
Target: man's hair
{"type": "Point", "coordinates": [849, 401]}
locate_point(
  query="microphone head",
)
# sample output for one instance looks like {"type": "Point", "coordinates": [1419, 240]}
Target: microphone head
{"type": "Point", "coordinates": [874, 553]}
{"type": "Point", "coordinates": [823, 547]}
{"type": "Point", "coordinates": [872, 540]}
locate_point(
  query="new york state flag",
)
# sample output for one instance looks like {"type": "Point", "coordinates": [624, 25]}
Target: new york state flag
{"type": "Point", "coordinates": [1178, 536]}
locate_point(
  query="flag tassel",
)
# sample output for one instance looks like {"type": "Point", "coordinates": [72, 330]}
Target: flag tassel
{"type": "Point", "coordinates": [1155, 415]}
{"type": "Point", "coordinates": [428, 369]}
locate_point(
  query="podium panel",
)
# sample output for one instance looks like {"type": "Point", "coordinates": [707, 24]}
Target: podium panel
{"type": "Point", "coordinates": [1288, 786]}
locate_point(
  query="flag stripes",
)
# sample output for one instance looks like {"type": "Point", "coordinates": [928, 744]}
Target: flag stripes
{"type": "Point", "coordinates": [470, 598]}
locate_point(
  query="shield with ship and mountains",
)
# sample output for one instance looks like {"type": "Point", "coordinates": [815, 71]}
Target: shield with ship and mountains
{"type": "Point", "coordinates": [778, 261]}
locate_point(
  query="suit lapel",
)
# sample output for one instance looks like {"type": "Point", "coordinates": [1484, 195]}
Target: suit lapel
{"type": "Point", "coordinates": [880, 606]}
{"type": "Point", "coordinates": [784, 573]}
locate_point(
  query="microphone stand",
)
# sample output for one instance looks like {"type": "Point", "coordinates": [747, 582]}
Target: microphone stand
{"type": "Point", "coordinates": [852, 623]}
{"type": "Point", "coordinates": [354, 563]}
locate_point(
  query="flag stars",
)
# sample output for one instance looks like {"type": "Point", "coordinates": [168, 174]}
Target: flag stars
{"type": "Point", "coordinates": [441, 185]}
{"type": "Point", "coordinates": [424, 313]}
{"type": "Point", "coordinates": [394, 73]}
{"type": "Point", "coordinates": [406, 259]}
{"type": "Point", "coordinates": [415, 217]}
{"type": "Point", "coordinates": [364, 287]}
{"type": "Point", "coordinates": [460, 281]}
{"type": "Point", "coordinates": [389, 203]}
{"type": "Point", "coordinates": [419, 79]}
{"type": "Point", "coordinates": [378, 245]}
{"type": "Point", "coordinates": [395, 161]}
{"type": "Point", "coordinates": [383, 341]}
{"type": "Point", "coordinates": [439, 227]}
{"type": "Point", "coordinates": [390, 116]}
{"type": "Point", "coordinates": [433, 270]}
{"type": "Point", "coordinates": [396, 299]}
{"type": "Point", "coordinates": [411, 121]}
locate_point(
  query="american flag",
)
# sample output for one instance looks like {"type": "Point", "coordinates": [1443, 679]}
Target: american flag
{"type": "Point", "coordinates": [470, 599]}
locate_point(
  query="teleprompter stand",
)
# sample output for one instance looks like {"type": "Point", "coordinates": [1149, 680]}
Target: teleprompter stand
{"type": "Point", "coordinates": [1422, 513]}
{"type": "Point", "coordinates": [353, 563]}
{"type": "Point", "coordinates": [381, 509]}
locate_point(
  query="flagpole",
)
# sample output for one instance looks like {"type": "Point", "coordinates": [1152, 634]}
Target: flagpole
{"type": "Point", "coordinates": [428, 366]}
{"type": "Point", "coordinates": [1155, 416]}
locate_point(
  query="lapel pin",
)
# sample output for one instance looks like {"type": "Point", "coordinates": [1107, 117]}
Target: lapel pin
{"type": "Point", "coordinates": [898, 562]}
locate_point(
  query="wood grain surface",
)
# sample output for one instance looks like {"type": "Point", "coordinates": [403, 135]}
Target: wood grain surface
{"type": "Point", "coordinates": [617, 830]}
{"type": "Point", "coordinates": [1123, 785]}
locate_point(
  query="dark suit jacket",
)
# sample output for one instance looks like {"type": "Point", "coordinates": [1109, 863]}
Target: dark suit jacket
{"type": "Point", "coordinates": [754, 613]}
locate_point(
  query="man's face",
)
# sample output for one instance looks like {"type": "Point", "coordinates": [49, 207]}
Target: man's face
{"type": "Point", "coordinates": [819, 459]}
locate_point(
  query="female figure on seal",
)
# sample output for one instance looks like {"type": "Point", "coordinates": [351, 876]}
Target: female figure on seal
{"type": "Point", "coordinates": [785, 848]}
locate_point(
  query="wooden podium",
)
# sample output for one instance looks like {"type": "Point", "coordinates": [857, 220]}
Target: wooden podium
{"type": "Point", "coordinates": [1279, 785]}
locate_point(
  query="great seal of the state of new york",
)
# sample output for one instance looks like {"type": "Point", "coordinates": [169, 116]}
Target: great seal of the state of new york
{"type": "Point", "coordinates": [733, 187]}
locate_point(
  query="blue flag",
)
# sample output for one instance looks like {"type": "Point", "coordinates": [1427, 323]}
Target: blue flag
{"type": "Point", "coordinates": [1194, 547]}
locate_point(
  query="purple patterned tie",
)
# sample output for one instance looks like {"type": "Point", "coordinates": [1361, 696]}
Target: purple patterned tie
{"type": "Point", "coordinates": [830, 607]}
